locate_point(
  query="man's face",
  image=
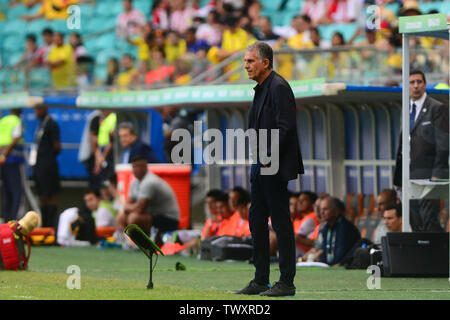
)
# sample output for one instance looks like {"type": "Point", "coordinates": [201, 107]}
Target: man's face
{"type": "Point", "coordinates": [316, 208]}
{"type": "Point", "coordinates": [126, 138]}
{"type": "Point", "coordinates": [382, 203]}
{"type": "Point", "coordinates": [91, 201]}
{"type": "Point", "coordinates": [232, 199]}
{"type": "Point", "coordinates": [211, 203]}
{"type": "Point", "coordinates": [48, 38]}
{"type": "Point", "coordinates": [139, 169]}
{"type": "Point", "coordinates": [327, 211]}
{"type": "Point", "coordinates": [40, 112]}
{"type": "Point", "coordinates": [255, 67]}
{"type": "Point", "coordinates": [243, 211]}
{"type": "Point", "coordinates": [393, 223]}
{"type": "Point", "coordinates": [304, 204]}
{"type": "Point", "coordinates": [264, 25]}
{"type": "Point", "coordinates": [293, 206]}
{"type": "Point", "coordinates": [223, 209]}
{"type": "Point", "coordinates": [127, 63]}
{"type": "Point", "coordinates": [58, 39]}
{"type": "Point", "coordinates": [416, 86]}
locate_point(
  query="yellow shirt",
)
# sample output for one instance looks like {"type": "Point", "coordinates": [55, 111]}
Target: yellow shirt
{"type": "Point", "coordinates": [56, 9]}
{"type": "Point", "coordinates": [231, 41]}
{"type": "Point", "coordinates": [173, 52]}
{"type": "Point", "coordinates": [63, 75]}
{"type": "Point", "coordinates": [143, 49]}
{"type": "Point", "coordinates": [124, 78]}
{"type": "Point", "coordinates": [299, 42]}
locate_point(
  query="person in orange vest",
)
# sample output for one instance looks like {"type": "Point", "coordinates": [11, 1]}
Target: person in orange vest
{"type": "Point", "coordinates": [242, 206]}
{"type": "Point", "coordinates": [307, 224]}
{"type": "Point", "coordinates": [230, 220]}
{"type": "Point", "coordinates": [212, 222]}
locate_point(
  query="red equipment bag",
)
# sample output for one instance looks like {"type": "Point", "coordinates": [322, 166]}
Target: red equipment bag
{"type": "Point", "coordinates": [12, 248]}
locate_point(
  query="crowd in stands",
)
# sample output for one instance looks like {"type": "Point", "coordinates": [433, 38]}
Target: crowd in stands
{"type": "Point", "coordinates": [179, 39]}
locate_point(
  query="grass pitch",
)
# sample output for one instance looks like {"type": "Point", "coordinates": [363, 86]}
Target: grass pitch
{"type": "Point", "coordinates": [118, 274]}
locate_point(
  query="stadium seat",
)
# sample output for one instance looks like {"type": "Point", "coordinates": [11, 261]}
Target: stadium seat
{"type": "Point", "coordinates": [105, 42]}
{"type": "Point", "coordinates": [13, 43]}
{"type": "Point", "coordinates": [271, 5]}
{"type": "Point", "coordinates": [15, 12]}
{"type": "Point", "coordinates": [36, 26]}
{"type": "Point", "coordinates": [16, 27]}
{"type": "Point", "coordinates": [354, 206]}
{"type": "Point", "coordinates": [426, 7]}
{"type": "Point", "coordinates": [39, 78]}
{"type": "Point", "coordinates": [109, 9]}
{"type": "Point", "coordinates": [347, 30]}
{"type": "Point", "coordinates": [103, 56]}
{"type": "Point", "coordinates": [294, 6]}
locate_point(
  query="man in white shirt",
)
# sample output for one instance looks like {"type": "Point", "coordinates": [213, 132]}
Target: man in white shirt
{"type": "Point", "coordinates": [130, 21]}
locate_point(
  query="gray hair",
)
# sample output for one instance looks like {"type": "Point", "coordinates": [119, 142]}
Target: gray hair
{"type": "Point", "coordinates": [263, 50]}
{"type": "Point", "coordinates": [128, 125]}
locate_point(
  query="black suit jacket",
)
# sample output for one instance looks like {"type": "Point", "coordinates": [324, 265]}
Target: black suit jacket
{"type": "Point", "coordinates": [274, 108]}
{"type": "Point", "coordinates": [429, 144]}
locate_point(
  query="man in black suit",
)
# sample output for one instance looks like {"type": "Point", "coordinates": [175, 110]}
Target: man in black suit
{"type": "Point", "coordinates": [273, 109]}
{"type": "Point", "coordinates": [429, 151]}
{"type": "Point", "coordinates": [132, 146]}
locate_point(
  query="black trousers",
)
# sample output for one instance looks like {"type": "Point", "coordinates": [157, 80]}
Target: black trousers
{"type": "Point", "coordinates": [425, 215]}
{"type": "Point", "coordinates": [270, 198]}
{"type": "Point", "coordinates": [12, 190]}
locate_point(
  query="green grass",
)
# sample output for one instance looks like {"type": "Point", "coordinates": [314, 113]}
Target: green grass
{"type": "Point", "coordinates": [119, 274]}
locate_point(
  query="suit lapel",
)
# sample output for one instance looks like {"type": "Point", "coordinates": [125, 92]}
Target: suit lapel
{"type": "Point", "coordinates": [425, 109]}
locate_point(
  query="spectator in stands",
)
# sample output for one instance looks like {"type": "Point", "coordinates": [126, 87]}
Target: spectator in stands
{"type": "Point", "coordinates": [210, 31]}
{"type": "Point", "coordinates": [43, 51]}
{"type": "Point", "coordinates": [144, 43]}
{"type": "Point", "coordinates": [339, 235]}
{"type": "Point", "coordinates": [77, 45]}
{"type": "Point", "coordinates": [132, 146]}
{"type": "Point", "coordinates": [386, 198]}
{"type": "Point", "coordinates": [42, 160]}
{"type": "Point", "coordinates": [130, 75]}
{"type": "Point", "coordinates": [180, 16]}
{"type": "Point", "coordinates": [315, 9]}
{"type": "Point", "coordinates": [234, 40]}
{"type": "Point", "coordinates": [212, 222]}
{"type": "Point", "coordinates": [192, 43]}
{"type": "Point", "coordinates": [151, 202]}
{"type": "Point", "coordinates": [130, 21]}
{"type": "Point", "coordinates": [30, 55]}
{"type": "Point", "coordinates": [160, 71]}
{"type": "Point", "coordinates": [393, 218]}
{"type": "Point", "coordinates": [316, 38]}
{"type": "Point", "coordinates": [302, 40]}
{"type": "Point", "coordinates": [175, 47]}
{"type": "Point", "coordinates": [61, 63]}
{"type": "Point", "coordinates": [254, 12]}
{"type": "Point", "coordinates": [409, 8]}
{"type": "Point", "coordinates": [112, 72]}
{"type": "Point", "coordinates": [160, 17]}
{"type": "Point", "coordinates": [341, 11]}
{"type": "Point", "coordinates": [266, 33]}
{"type": "Point", "coordinates": [229, 220]}
{"type": "Point", "coordinates": [306, 226]}
{"type": "Point", "coordinates": [181, 71]}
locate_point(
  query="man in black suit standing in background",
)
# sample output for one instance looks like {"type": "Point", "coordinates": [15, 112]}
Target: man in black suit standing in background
{"type": "Point", "coordinates": [429, 150]}
{"type": "Point", "coordinates": [273, 108]}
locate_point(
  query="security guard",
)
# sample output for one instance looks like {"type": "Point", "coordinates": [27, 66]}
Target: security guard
{"type": "Point", "coordinates": [12, 164]}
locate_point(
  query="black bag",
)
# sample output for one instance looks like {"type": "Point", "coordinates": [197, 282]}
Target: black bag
{"type": "Point", "coordinates": [226, 248]}
{"type": "Point", "coordinates": [359, 256]}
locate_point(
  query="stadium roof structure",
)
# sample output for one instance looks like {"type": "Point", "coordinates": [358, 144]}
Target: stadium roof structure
{"type": "Point", "coordinates": [436, 26]}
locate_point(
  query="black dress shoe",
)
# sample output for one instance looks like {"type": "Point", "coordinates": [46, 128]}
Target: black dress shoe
{"type": "Point", "coordinates": [279, 289]}
{"type": "Point", "coordinates": [254, 288]}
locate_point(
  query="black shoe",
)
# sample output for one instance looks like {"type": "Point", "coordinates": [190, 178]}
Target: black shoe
{"type": "Point", "coordinates": [253, 288]}
{"type": "Point", "coordinates": [279, 289]}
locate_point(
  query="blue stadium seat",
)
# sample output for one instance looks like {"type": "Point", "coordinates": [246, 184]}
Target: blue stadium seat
{"type": "Point", "coordinates": [13, 43]}
{"type": "Point", "coordinates": [36, 26]}
{"type": "Point", "coordinates": [15, 12]}
{"type": "Point", "coordinates": [347, 30]}
{"type": "Point", "coordinates": [294, 6]}
{"type": "Point", "coordinates": [16, 27]}
{"type": "Point", "coordinates": [39, 78]}
{"type": "Point", "coordinates": [271, 5]}
{"type": "Point", "coordinates": [109, 9]}
{"type": "Point", "coordinates": [426, 7]}
{"type": "Point", "coordinates": [106, 41]}
{"type": "Point", "coordinates": [143, 5]}
{"type": "Point", "coordinates": [100, 73]}
{"type": "Point", "coordinates": [103, 56]}
{"type": "Point", "coordinates": [14, 57]}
